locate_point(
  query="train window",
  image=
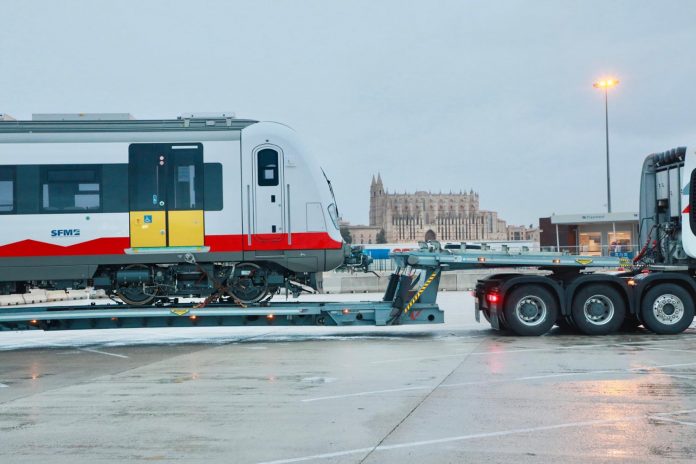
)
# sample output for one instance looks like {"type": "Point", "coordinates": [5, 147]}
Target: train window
{"type": "Point", "coordinates": [213, 186]}
{"type": "Point", "coordinates": [7, 187]}
{"type": "Point", "coordinates": [186, 181]}
{"type": "Point", "coordinates": [70, 188]}
{"type": "Point", "coordinates": [267, 163]}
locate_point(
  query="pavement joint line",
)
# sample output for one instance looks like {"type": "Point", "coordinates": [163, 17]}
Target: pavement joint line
{"type": "Point", "coordinates": [502, 433]}
{"type": "Point", "coordinates": [418, 405]}
{"type": "Point", "coordinates": [631, 370]}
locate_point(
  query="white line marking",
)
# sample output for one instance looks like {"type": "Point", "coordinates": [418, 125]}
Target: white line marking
{"type": "Point", "coordinates": [472, 436]}
{"type": "Point", "coordinates": [103, 352]}
{"type": "Point", "coordinates": [484, 353]}
{"type": "Point", "coordinates": [668, 349]}
{"type": "Point", "coordinates": [526, 350]}
{"type": "Point", "coordinates": [79, 348]}
{"type": "Point", "coordinates": [688, 377]}
{"type": "Point", "coordinates": [690, 424]}
{"type": "Point", "coordinates": [2, 385]}
{"type": "Point", "coordinates": [367, 393]}
{"type": "Point", "coordinates": [631, 370]}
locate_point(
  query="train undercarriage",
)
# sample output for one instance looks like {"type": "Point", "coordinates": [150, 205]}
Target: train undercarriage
{"type": "Point", "coordinates": [148, 284]}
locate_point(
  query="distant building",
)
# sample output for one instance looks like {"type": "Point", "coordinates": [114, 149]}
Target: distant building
{"type": "Point", "coordinates": [600, 234]}
{"type": "Point", "coordinates": [529, 234]}
{"type": "Point", "coordinates": [363, 235]}
{"type": "Point", "coordinates": [411, 217]}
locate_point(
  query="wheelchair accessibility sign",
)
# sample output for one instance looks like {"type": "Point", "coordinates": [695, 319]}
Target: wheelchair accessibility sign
{"type": "Point", "coordinates": [147, 219]}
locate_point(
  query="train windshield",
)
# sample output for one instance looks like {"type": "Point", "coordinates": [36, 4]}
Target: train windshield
{"type": "Point", "coordinates": [330, 189]}
{"type": "Point", "coordinates": [333, 207]}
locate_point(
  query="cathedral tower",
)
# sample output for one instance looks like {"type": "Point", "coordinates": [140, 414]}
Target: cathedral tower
{"type": "Point", "coordinates": [376, 201]}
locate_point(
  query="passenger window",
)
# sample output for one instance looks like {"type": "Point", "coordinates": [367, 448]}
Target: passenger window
{"type": "Point", "coordinates": [267, 167]}
{"type": "Point", "coordinates": [7, 181]}
{"type": "Point", "coordinates": [66, 188]}
{"type": "Point", "coordinates": [186, 186]}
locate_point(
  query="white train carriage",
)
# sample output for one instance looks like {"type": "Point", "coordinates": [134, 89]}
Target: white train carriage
{"type": "Point", "coordinates": [149, 209]}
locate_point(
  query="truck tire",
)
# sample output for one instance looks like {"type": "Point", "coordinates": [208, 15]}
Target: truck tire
{"type": "Point", "coordinates": [598, 309]}
{"type": "Point", "coordinates": [530, 310]}
{"type": "Point", "coordinates": [667, 309]}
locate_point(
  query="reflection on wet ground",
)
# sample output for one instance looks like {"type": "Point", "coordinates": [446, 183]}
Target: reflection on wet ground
{"type": "Point", "coordinates": [457, 392]}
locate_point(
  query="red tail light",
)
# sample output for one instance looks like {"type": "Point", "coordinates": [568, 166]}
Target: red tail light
{"type": "Point", "coordinates": [493, 298]}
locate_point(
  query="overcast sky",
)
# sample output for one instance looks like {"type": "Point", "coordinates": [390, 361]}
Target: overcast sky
{"type": "Point", "coordinates": [436, 95]}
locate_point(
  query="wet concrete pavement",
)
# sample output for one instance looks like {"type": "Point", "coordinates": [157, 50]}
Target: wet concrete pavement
{"type": "Point", "coordinates": [451, 393]}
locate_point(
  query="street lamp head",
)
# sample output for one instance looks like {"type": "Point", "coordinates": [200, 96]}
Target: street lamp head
{"type": "Point", "coordinates": [605, 83]}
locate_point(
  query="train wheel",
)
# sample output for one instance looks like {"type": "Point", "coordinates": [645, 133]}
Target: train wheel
{"type": "Point", "coordinates": [667, 309]}
{"type": "Point", "coordinates": [598, 310]}
{"type": "Point", "coordinates": [135, 295]}
{"type": "Point", "coordinates": [248, 283]}
{"type": "Point", "coordinates": [530, 310]}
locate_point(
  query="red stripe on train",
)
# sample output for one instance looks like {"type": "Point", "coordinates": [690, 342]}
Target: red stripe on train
{"type": "Point", "coordinates": [687, 210]}
{"type": "Point", "coordinates": [217, 243]}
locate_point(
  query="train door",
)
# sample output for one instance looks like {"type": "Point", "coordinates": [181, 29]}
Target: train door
{"type": "Point", "coordinates": [268, 215]}
{"type": "Point", "coordinates": [166, 195]}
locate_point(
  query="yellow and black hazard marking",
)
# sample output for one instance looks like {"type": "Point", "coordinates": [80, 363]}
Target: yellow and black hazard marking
{"type": "Point", "coordinates": [421, 290]}
{"type": "Point", "coordinates": [180, 311]}
{"type": "Point", "coordinates": [583, 261]}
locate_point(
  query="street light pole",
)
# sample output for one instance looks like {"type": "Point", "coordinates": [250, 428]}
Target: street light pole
{"type": "Point", "coordinates": [606, 126]}
{"type": "Point", "coordinates": [605, 84]}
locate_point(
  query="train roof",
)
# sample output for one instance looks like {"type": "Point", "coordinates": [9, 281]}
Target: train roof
{"type": "Point", "coordinates": [115, 122]}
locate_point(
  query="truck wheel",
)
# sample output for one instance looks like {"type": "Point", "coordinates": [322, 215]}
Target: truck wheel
{"type": "Point", "coordinates": [667, 309]}
{"type": "Point", "coordinates": [530, 310]}
{"type": "Point", "coordinates": [598, 310]}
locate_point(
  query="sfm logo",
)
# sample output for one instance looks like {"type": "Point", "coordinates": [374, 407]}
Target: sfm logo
{"type": "Point", "coordinates": [65, 233]}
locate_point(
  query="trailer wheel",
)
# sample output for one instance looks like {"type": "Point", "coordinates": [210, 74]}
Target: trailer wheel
{"type": "Point", "coordinates": [667, 309]}
{"type": "Point", "coordinates": [530, 310]}
{"type": "Point", "coordinates": [598, 310]}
